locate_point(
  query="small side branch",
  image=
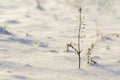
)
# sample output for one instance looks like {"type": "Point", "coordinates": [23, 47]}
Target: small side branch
{"type": "Point", "coordinates": [89, 59]}
{"type": "Point", "coordinates": [70, 45]}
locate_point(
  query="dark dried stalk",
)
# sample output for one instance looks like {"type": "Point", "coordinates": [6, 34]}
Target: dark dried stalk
{"type": "Point", "coordinates": [38, 3]}
{"type": "Point", "coordinates": [78, 50]}
{"type": "Point", "coordinates": [79, 47]}
{"type": "Point", "coordinates": [89, 59]}
{"type": "Point", "coordinates": [73, 47]}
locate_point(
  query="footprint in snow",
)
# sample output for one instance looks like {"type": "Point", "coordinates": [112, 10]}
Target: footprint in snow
{"type": "Point", "coordinates": [9, 72]}
{"type": "Point", "coordinates": [28, 65]}
{"type": "Point", "coordinates": [12, 21]}
{"type": "Point", "coordinates": [96, 58]}
{"type": "Point", "coordinates": [20, 77]}
{"type": "Point", "coordinates": [118, 61]}
{"type": "Point", "coordinates": [54, 51]}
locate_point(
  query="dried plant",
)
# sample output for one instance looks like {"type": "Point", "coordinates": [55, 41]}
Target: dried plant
{"type": "Point", "coordinates": [89, 58]}
{"type": "Point", "coordinates": [99, 34]}
{"type": "Point", "coordinates": [78, 49]}
{"type": "Point", "coordinates": [39, 5]}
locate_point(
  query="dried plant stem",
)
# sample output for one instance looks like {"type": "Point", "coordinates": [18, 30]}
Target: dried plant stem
{"type": "Point", "coordinates": [79, 47]}
{"type": "Point", "coordinates": [88, 56]}
{"type": "Point", "coordinates": [38, 3]}
{"type": "Point", "coordinates": [89, 59]}
{"type": "Point", "coordinates": [73, 47]}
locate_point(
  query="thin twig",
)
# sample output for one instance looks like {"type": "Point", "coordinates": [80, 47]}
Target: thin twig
{"type": "Point", "coordinates": [73, 47]}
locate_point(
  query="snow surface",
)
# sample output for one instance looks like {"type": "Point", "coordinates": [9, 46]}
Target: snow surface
{"type": "Point", "coordinates": [33, 40]}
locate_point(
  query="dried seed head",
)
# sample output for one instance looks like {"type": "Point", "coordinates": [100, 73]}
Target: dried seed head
{"type": "Point", "coordinates": [76, 16]}
{"type": "Point", "coordinates": [83, 27]}
{"type": "Point", "coordinates": [82, 31]}
{"type": "Point", "coordinates": [82, 41]}
{"type": "Point", "coordinates": [117, 35]}
{"type": "Point", "coordinates": [84, 36]}
{"type": "Point", "coordinates": [80, 9]}
{"type": "Point", "coordinates": [83, 24]}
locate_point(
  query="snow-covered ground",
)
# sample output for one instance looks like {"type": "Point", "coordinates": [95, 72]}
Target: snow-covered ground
{"type": "Point", "coordinates": [33, 40]}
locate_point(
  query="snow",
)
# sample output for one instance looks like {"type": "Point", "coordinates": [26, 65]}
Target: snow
{"type": "Point", "coordinates": [33, 41]}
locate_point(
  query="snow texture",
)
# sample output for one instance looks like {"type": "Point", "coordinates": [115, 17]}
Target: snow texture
{"type": "Point", "coordinates": [33, 39]}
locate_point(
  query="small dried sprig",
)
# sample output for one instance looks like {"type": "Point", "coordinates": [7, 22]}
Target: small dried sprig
{"type": "Point", "coordinates": [89, 58]}
{"type": "Point", "coordinates": [99, 34]}
{"type": "Point", "coordinates": [39, 5]}
{"type": "Point", "coordinates": [70, 45]}
{"type": "Point", "coordinates": [79, 41]}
